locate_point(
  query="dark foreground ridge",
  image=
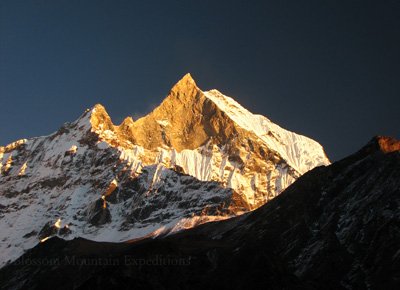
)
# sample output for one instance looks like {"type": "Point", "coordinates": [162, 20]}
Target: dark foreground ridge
{"type": "Point", "coordinates": [336, 227]}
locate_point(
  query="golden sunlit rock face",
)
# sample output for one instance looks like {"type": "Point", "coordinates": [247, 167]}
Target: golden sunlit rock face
{"type": "Point", "coordinates": [12, 146]}
{"type": "Point", "coordinates": [382, 144]}
{"type": "Point", "coordinates": [186, 119]}
{"type": "Point", "coordinates": [57, 224]}
{"type": "Point", "coordinates": [388, 144]}
{"type": "Point", "coordinates": [179, 121]}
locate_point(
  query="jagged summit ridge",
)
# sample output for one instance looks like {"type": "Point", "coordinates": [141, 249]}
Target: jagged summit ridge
{"type": "Point", "coordinates": [189, 118]}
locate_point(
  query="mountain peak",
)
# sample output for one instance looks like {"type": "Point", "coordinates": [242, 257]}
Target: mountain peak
{"type": "Point", "coordinates": [378, 144]}
{"type": "Point", "coordinates": [384, 143]}
{"type": "Point", "coordinates": [184, 87]}
{"type": "Point", "coordinates": [187, 78]}
{"type": "Point", "coordinates": [99, 118]}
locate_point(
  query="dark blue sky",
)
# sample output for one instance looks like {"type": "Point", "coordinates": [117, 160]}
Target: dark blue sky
{"type": "Point", "coordinates": [326, 69]}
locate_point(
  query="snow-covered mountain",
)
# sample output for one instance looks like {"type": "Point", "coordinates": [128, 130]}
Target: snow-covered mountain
{"type": "Point", "coordinates": [199, 156]}
{"type": "Point", "coordinates": [336, 227]}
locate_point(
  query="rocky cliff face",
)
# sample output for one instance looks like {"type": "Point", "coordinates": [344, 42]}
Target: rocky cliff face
{"type": "Point", "coordinates": [199, 156]}
{"type": "Point", "coordinates": [336, 227]}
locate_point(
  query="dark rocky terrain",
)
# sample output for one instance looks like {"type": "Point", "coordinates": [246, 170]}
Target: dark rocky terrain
{"type": "Point", "coordinates": [336, 227]}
